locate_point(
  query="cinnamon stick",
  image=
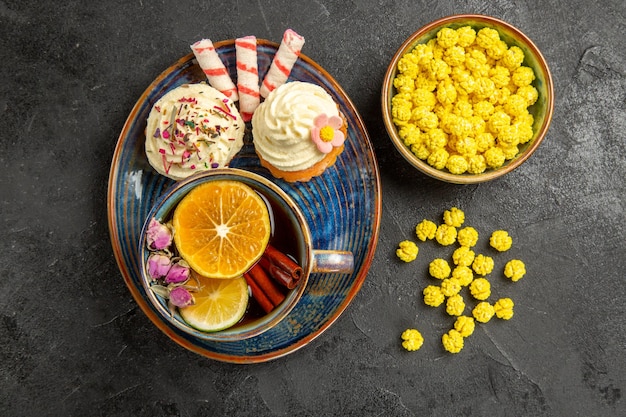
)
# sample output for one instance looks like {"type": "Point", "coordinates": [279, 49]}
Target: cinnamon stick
{"type": "Point", "coordinates": [265, 283]}
{"type": "Point", "coordinates": [283, 262]}
{"type": "Point", "coordinates": [283, 277]}
{"type": "Point", "coordinates": [258, 294]}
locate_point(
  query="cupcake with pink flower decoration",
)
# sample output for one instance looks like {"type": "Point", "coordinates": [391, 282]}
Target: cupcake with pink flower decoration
{"type": "Point", "coordinates": [298, 131]}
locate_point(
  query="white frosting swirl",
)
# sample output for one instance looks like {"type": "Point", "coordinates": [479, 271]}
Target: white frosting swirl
{"type": "Point", "coordinates": [208, 131]}
{"type": "Point", "coordinates": [281, 125]}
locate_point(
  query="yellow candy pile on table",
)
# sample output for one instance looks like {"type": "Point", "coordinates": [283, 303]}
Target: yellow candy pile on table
{"type": "Point", "coordinates": [462, 100]}
{"type": "Point", "coordinates": [467, 269]}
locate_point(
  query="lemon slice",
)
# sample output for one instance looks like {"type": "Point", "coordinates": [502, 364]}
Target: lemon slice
{"type": "Point", "coordinates": [219, 304]}
{"type": "Point", "coordinates": [221, 228]}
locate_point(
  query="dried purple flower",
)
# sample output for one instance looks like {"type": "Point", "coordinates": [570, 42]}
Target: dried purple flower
{"type": "Point", "coordinates": [158, 235]}
{"type": "Point", "coordinates": [181, 297]}
{"type": "Point", "coordinates": [179, 272]}
{"type": "Point", "coordinates": [158, 265]}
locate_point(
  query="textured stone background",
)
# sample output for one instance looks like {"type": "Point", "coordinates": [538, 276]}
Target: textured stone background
{"type": "Point", "coordinates": [74, 343]}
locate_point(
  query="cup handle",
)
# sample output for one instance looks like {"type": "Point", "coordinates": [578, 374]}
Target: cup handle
{"type": "Point", "coordinates": [335, 261]}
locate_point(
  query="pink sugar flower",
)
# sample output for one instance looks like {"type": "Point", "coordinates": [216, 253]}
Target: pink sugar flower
{"type": "Point", "coordinates": [158, 265]}
{"type": "Point", "coordinates": [325, 132]}
{"type": "Point", "coordinates": [181, 297]}
{"type": "Point", "coordinates": [158, 235]}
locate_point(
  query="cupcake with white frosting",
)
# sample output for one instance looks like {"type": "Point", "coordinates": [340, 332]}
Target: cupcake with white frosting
{"type": "Point", "coordinates": [298, 131]}
{"type": "Point", "coordinates": [193, 128]}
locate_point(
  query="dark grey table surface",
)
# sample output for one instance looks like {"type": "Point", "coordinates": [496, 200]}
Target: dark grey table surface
{"type": "Point", "coordinates": [73, 341]}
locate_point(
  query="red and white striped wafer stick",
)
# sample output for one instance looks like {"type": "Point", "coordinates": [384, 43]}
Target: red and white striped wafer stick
{"type": "Point", "coordinates": [214, 68]}
{"type": "Point", "coordinates": [286, 56]}
{"type": "Point", "coordinates": [247, 76]}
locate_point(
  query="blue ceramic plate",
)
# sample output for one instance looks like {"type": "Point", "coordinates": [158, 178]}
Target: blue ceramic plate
{"type": "Point", "coordinates": [342, 206]}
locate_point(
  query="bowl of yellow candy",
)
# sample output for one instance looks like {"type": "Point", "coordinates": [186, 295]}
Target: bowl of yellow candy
{"type": "Point", "coordinates": [467, 98]}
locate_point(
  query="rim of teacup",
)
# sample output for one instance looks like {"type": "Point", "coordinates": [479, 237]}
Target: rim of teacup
{"type": "Point", "coordinates": [163, 208]}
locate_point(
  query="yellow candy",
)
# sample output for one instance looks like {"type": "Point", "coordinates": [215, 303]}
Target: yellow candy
{"type": "Point", "coordinates": [503, 308]}
{"type": "Point", "coordinates": [450, 287]}
{"type": "Point", "coordinates": [438, 158]}
{"type": "Point", "coordinates": [494, 157]}
{"type": "Point", "coordinates": [452, 341]}
{"type": "Point", "coordinates": [515, 105]}
{"type": "Point", "coordinates": [407, 251]}
{"type": "Point", "coordinates": [425, 82]}
{"type": "Point", "coordinates": [457, 164]}
{"type": "Point", "coordinates": [483, 265]}
{"type": "Point", "coordinates": [524, 132]}
{"type": "Point", "coordinates": [426, 230]}
{"type": "Point", "coordinates": [476, 164]}
{"type": "Point", "coordinates": [523, 76]}
{"type": "Point", "coordinates": [529, 93]}
{"type": "Point", "coordinates": [454, 56]}
{"type": "Point", "coordinates": [438, 69]}
{"type": "Point", "coordinates": [454, 217]}
{"type": "Point", "coordinates": [408, 65]}
{"type": "Point", "coordinates": [466, 146]}
{"type": "Point", "coordinates": [480, 289]}
{"type": "Point", "coordinates": [496, 50]}
{"type": "Point", "coordinates": [445, 235]}
{"type": "Point", "coordinates": [475, 61]}
{"type": "Point", "coordinates": [401, 113]}
{"type": "Point", "coordinates": [411, 135]}
{"type": "Point", "coordinates": [447, 38]}
{"type": "Point", "coordinates": [484, 142]}
{"type": "Point", "coordinates": [483, 312]}
{"type": "Point", "coordinates": [423, 98]}
{"type": "Point", "coordinates": [420, 150]}
{"type": "Point", "coordinates": [404, 83]}
{"type": "Point", "coordinates": [487, 37]}
{"type": "Point", "coordinates": [424, 53]}
{"type": "Point", "coordinates": [427, 120]}
{"type": "Point", "coordinates": [446, 92]}
{"type": "Point", "coordinates": [436, 138]}
{"type": "Point", "coordinates": [500, 95]}
{"type": "Point", "coordinates": [463, 108]}
{"type": "Point", "coordinates": [433, 296]}
{"type": "Point", "coordinates": [512, 58]}
{"type": "Point", "coordinates": [412, 339]}
{"type": "Point", "coordinates": [500, 240]}
{"type": "Point", "coordinates": [467, 236]}
{"type": "Point", "coordinates": [478, 125]}
{"type": "Point", "coordinates": [498, 120]}
{"type": "Point", "coordinates": [466, 36]}
{"type": "Point", "coordinates": [439, 268]}
{"type": "Point", "coordinates": [485, 87]}
{"type": "Point", "coordinates": [463, 256]}
{"type": "Point", "coordinates": [458, 126]}
{"type": "Point", "coordinates": [455, 305]}
{"type": "Point", "coordinates": [409, 130]}
{"type": "Point", "coordinates": [483, 109]}
{"type": "Point", "coordinates": [463, 275]}
{"type": "Point", "coordinates": [501, 76]}
{"type": "Point", "coordinates": [465, 325]}
{"type": "Point", "coordinates": [509, 152]}
{"type": "Point", "coordinates": [514, 270]}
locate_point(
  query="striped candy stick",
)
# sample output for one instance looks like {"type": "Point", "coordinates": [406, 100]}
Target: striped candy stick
{"type": "Point", "coordinates": [286, 56]}
{"type": "Point", "coordinates": [247, 76]}
{"type": "Point", "coordinates": [214, 68]}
